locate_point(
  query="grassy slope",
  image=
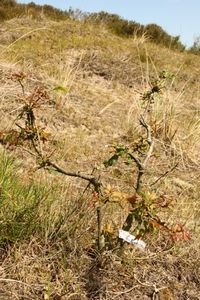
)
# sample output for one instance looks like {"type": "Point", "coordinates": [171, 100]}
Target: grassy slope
{"type": "Point", "coordinates": [47, 225]}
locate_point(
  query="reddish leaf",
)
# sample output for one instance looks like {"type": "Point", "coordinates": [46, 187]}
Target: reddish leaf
{"type": "Point", "coordinates": [133, 199]}
{"type": "Point", "coordinates": [180, 233]}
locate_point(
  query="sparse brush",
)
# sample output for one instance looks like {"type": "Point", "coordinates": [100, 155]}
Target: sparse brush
{"type": "Point", "coordinates": [142, 213]}
{"type": "Point", "coordinates": [73, 96]}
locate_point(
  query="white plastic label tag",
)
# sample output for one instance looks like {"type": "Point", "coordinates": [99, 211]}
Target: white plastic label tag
{"type": "Point", "coordinates": [131, 239]}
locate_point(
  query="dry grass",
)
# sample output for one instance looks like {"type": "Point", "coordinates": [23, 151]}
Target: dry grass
{"type": "Point", "coordinates": [48, 223]}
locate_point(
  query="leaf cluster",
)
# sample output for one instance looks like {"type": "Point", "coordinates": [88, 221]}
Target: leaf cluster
{"type": "Point", "coordinates": [27, 130]}
{"type": "Point", "coordinates": [156, 89]}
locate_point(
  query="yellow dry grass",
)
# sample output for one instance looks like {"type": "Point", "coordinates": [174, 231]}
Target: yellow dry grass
{"type": "Point", "coordinates": [95, 81]}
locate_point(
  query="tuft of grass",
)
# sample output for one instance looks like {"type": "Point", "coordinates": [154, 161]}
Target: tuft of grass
{"type": "Point", "coordinates": [19, 203]}
{"type": "Point", "coordinates": [35, 209]}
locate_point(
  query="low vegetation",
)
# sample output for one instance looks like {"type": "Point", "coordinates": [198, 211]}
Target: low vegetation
{"type": "Point", "coordinates": [116, 24]}
{"type": "Point", "coordinates": [10, 9]}
{"type": "Point", "coordinates": [98, 133]}
{"type": "Point", "coordinates": [127, 28]}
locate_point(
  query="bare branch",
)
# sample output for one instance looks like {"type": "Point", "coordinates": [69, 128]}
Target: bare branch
{"type": "Point", "coordinates": [149, 140]}
{"type": "Point", "coordinates": [141, 169]}
{"type": "Point", "coordinates": [90, 178]}
{"type": "Point", "coordinates": [148, 129]}
{"type": "Point", "coordinates": [149, 153]}
{"type": "Point", "coordinates": [142, 165]}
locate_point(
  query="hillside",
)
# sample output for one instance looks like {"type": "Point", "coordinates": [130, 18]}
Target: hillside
{"type": "Point", "coordinates": [76, 99]}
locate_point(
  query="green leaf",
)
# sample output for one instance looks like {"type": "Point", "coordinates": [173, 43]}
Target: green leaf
{"type": "Point", "coordinates": [110, 162]}
{"type": "Point", "coordinates": [128, 162]}
{"type": "Point", "coordinates": [60, 88]}
{"type": "Point", "coordinates": [52, 171]}
{"type": "Point", "coordinates": [121, 150]}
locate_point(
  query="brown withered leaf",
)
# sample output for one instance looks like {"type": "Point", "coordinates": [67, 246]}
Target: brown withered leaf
{"type": "Point", "coordinates": [133, 199]}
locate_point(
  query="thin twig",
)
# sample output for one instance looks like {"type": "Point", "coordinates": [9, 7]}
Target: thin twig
{"type": "Point", "coordinates": [135, 159]}
{"type": "Point", "coordinates": [99, 228]}
{"type": "Point", "coordinates": [142, 165]}
{"type": "Point", "coordinates": [35, 148]}
{"type": "Point", "coordinates": [29, 151]}
{"type": "Point", "coordinates": [149, 139]}
{"type": "Point", "coordinates": [149, 153]}
{"type": "Point", "coordinates": [165, 174]}
{"type": "Point", "coordinates": [38, 137]}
